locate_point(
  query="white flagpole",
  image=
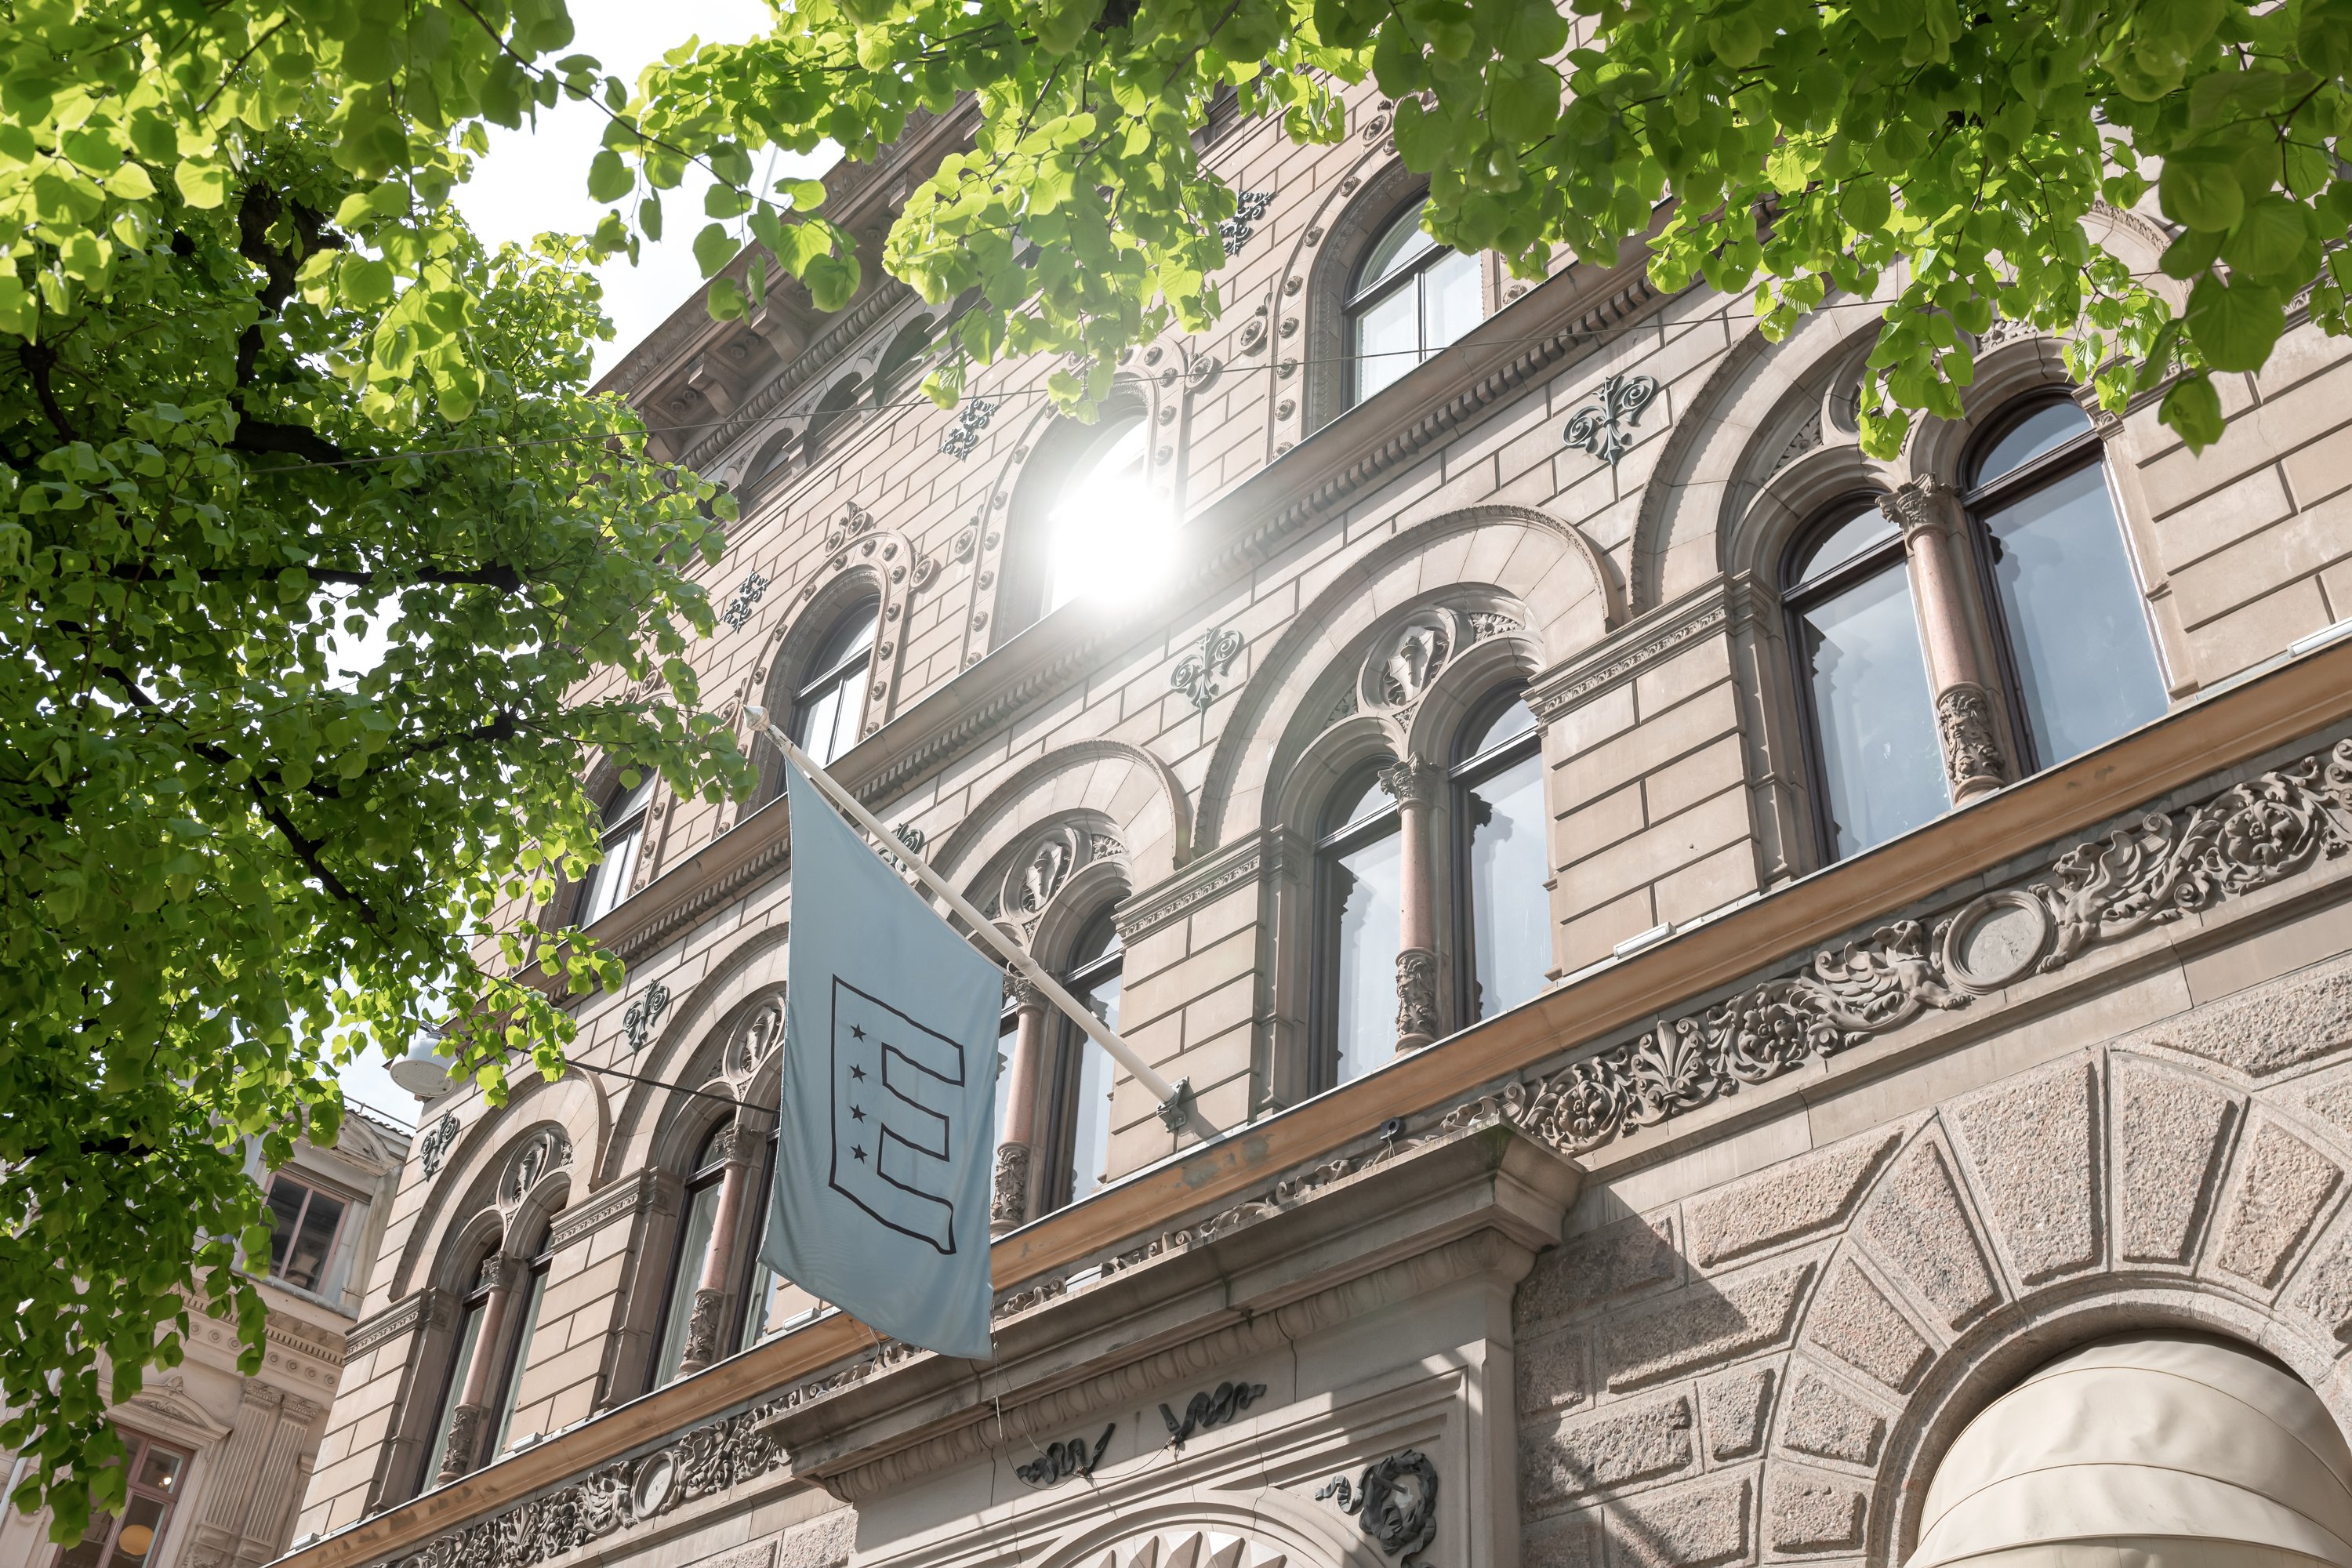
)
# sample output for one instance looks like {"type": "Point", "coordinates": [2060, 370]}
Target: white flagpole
{"type": "Point", "coordinates": [1175, 1099]}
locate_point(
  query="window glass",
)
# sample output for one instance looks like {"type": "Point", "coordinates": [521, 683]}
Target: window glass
{"type": "Point", "coordinates": [1106, 520]}
{"type": "Point", "coordinates": [303, 1223]}
{"type": "Point", "coordinates": [1360, 800]}
{"type": "Point", "coordinates": [1093, 981]}
{"type": "Point", "coordinates": [1411, 299]}
{"type": "Point", "coordinates": [1510, 913]}
{"type": "Point", "coordinates": [693, 1247]}
{"type": "Point", "coordinates": [1509, 725]}
{"type": "Point", "coordinates": [609, 878]}
{"type": "Point", "coordinates": [129, 1540]}
{"type": "Point", "coordinates": [2050, 425]}
{"type": "Point", "coordinates": [1389, 256]}
{"type": "Point", "coordinates": [534, 1289]}
{"type": "Point", "coordinates": [1881, 766]}
{"type": "Point", "coordinates": [1388, 340]}
{"type": "Point", "coordinates": [1365, 895]}
{"type": "Point", "coordinates": [827, 708]}
{"type": "Point", "coordinates": [1841, 543]}
{"type": "Point", "coordinates": [2078, 634]}
{"type": "Point", "coordinates": [1453, 300]}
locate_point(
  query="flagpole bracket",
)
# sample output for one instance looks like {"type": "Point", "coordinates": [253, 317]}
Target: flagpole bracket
{"type": "Point", "coordinates": [1177, 1109]}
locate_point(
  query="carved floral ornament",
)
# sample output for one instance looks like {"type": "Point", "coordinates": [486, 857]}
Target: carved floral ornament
{"type": "Point", "coordinates": [1046, 865]}
{"type": "Point", "coordinates": [755, 1039]}
{"type": "Point", "coordinates": [1406, 659]}
{"type": "Point", "coordinates": [545, 1151]}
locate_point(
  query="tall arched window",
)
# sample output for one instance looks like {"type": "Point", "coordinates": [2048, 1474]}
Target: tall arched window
{"type": "Point", "coordinates": [1102, 515]}
{"type": "Point", "coordinates": [1082, 1109]}
{"type": "Point", "coordinates": [607, 882]}
{"type": "Point", "coordinates": [2081, 663]}
{"type": "Point", "coordinates": [1878, 768]}
{"type": "Point", "coordinates": [700, 1212]}
{"type": "Point", "coordinates": [1504, 925]}
{"type": "Point", "coordinates": [468, 1347]}
{"type": "Point", "coordinates": [1410, 298]}
{"type": "Point", "coordinates": [1359, 900]}
{"type": "Point", "coordinates": [531, 1291]}
{"type": "Point", "coordinates": [829, 702]}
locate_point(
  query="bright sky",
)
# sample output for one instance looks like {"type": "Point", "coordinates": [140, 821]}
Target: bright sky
{"type": "Point", "coordinates": [535, 181]}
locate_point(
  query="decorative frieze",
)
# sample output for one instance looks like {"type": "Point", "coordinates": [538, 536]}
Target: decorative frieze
{"type": "Point", "coordinates": [1060, 1461]}
{"type": "Point", "coordinates": [1210, 1408]}
{"type": "Point", "coordinates": [1613, 666]}
{"type": "Point", "coordinates": [619, 1203]}
{"type": "Point", "coordinates": [2164, 867]}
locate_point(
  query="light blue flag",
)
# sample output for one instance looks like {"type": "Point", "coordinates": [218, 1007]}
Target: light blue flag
{"type": "Point", "coordinates": [889, 1082]}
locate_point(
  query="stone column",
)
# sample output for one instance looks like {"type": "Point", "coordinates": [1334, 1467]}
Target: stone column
{"type": "Point", "coordinates": [472, 1413]}
{"type": "Point", "coordinates": [1966, 721]}
{"type": "Point", "coordinates": [1414, 784]}
{"type": "Point", "coordinates": [704, 1323]}
{"type": "Point", "coordinates": [1008, 1207]}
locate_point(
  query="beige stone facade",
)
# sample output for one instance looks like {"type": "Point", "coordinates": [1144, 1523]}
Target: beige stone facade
{"type": "Point", "coordinates": [219, 1459]}
{"type": "Point", "coordinates": [1820, 1128]}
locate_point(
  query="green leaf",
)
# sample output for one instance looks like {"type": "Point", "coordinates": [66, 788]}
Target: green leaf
{"type": "Point", "coordinates": [202, 181]}
{"type": "Point", "coordinates": [2200, 188]}
{"type": "Point", "coordinates": [2192, 409]}
{"type": "Point", "coordinates": [2274, 243]}
{"type": "Point", "coordinates": [609, 179]}
{"type": "Point", "coordinates": [2233, 325]}
{"type": "Point", "coordinates": [714, 248]}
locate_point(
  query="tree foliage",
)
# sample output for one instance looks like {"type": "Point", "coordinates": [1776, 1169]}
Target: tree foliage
{"type": "Point", "coordinates": [260, 391]}
{"type": "Point", "coordinates": [262, 397]}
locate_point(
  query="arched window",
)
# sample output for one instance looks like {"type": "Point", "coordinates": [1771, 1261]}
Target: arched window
{"type": "Point", "coordinates": [2080, 661]}
{"type": "Point", "coordinates": [531, 1291]}
{"type": "Point", "coordinates": [761, 1315]}
{"type": "Point", "coordinates": [830, 699]}
{"type": "Point", "coordinates": [1410, 298]}
{"type": "Point", "coordinates": [1082, 1104]}
{"type": "Point", "coordinates": [700, 1212]}
{"type": "Point", "coordinates": [465, 1350]}
{"type": "Point", "coordinates": [1502, 940]}
{"type": "Point", "coordinates": [904, 354]}
{"type": "Point", "coordinates": [1878, 768]}
{"type": "Point", "coordinates": [1359, 902]}
{"type": "Point", "coordinates": [607, 882]}
{"type": "Point", "coordinates": [831, 412]}
{"type": "Point", "coordinates": [1104, 517]}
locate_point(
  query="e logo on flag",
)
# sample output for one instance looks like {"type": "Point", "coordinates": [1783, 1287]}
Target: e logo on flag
{"type": "Point", "coordinates": [896, 1088]}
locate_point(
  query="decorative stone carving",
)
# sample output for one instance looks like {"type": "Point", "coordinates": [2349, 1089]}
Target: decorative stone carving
{"type": "Point", "coordinates": [913, 837]}
{"type": "Point", "coordinates": [1416, 979]}
{"type": "Point", "coordinates": [1606, 429]}
{"type": "Point", "coordinates": [2168, 866]}
{"type": "Point", "coordinates": [1062, 1460]}
{"type": "Point", "coordinates": [1411, 780]}
{"type": "Point", "coordinates": [739, 604]}
{"type": "Point", "coordinates": [547, 1150]}
{"type": "Point", "coordinates": [1210, 1408]}
{"type": "Point", "coordinates": [1403, 663]}
{"type": "Point", "coordinates": [1973, 757]}
{"type": "Point", "coordinates": [1924, 502]}
{"type": "Point", "coordinates": [1490, 624]}
{"type": "Point", "coordinates": [962, 437]}
{"type": "Point", "coordinates": [637, 1024]}
{"type": "Point", "coordinates": [1008, 1202]}
{"type": "Point", "coordinates": [436, 1143]}
{"type": "Point", "coordinates": [853, 522]}
{"type": "Point", "coordinates": [1046, 869]}
{"type": "Point", "coordinates": [466, 1425]}
{"type": "Point", "coordinates": [1248, 211]}
{"type": "Point", "coordinates": [702, 1328]}
{"type": "Point", "coordinates": [755, 1041]}
{"type": "Point", "coordinates": [1395, 1501]}
{"type": "Point", "coordinates": [1807, 436]}
{"type": "Point", "coordinates": [1199, 674]}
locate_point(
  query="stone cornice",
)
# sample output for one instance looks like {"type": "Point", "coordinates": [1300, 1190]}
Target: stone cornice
{"type": "Point", "coordinates": [623, 1198]}
{"type": "Point", "coordinates": [807, 365]}
{"type": "Point", "coordinates": [1245, 860]}
{"type": "Point", "coordinates": [1631, 649]}
{"type": "Point", "coordinates": [394, 1320]}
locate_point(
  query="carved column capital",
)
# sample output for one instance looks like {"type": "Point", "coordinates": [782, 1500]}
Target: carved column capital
{"type": "Point", "coordinates": [1927, 502]}
{"type": "Point", "coordinates": [1971, 740]}
{"type": "Point", "coordinates": [497, 1272]}
{"type": "Point", "coordinates": [465, 1423]}
{"type": "Point", "coordinates": [1023, 991]}
{"type": "Point", "coordinates": [702, 1330]}
{"type": "Point", "coordinates": [1008, 1202]}
{"type": "Point", "coordinates": [1410, 781]}
{"type": "Point", "coordinates": [1416, 1019]}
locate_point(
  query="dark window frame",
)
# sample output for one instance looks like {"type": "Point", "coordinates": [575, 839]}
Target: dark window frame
{"type": "Point", "coordinates": [1358, 299]}
{"type": "Point", "coordinates": [848, 673]}
{"type": "Point", "coordinates": [1071, 1046]}
{"type": "Point", "coordinates": [312, 1188]}
{"type": "Point", "coordinates": [1330, 846]}
{"type": "Point", "coordinates": [137, 1445]}
{"type": "Point", "coordinates": [704, 1173]}
{"type": "Point", "coordinates": [1797, 595]}
{"type": "Point", "coordinates": [522, 1328]}
{"type": "Point", "coordinates": [637, 806]}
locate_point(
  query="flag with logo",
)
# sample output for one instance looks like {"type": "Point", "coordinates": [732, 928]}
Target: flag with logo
{"type": "Point", "coordinates": [889, 1080]}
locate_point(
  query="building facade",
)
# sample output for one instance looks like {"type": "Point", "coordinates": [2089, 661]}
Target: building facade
{"type": "Point", "coordinates": [218, 1460]}
{"type": "Point", "coordinates": [1731, 993]}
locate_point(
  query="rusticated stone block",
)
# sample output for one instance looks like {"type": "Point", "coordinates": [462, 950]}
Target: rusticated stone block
{"type": "Point", "coordinates": [2334, 1102]}
{"type": "Point", "coordinates": [1919, 1223]}
{"type": "Point", "coordinates": [1552, 1374]}
{"type": "Point", "coordinates": [1736, 1406]}
{"type": "Point", "coordinates": [1608, 1448]}
{"type": "Point", "coordinates": [1809, 1515]}
{"type": "Point", "coordinates": [1824, 1422]}
{"type": "Point", "coordinates": [2326, 1290]}
{"type": "Point", "coordinates": [758, 1556]}
{"type": "Point", "coordinates": [824, 1542]}
{"type": "Point", "coordinates": [1853, 1320]}
{"type": "Point", "coordinates": [1800, 1197]}
{"type": "Point", "coordinates": [1715, 1320]}
{"type": "Point", "coordinates": [2282, 1185]}
{"type": "Point", "coordinates": [1572, 1540]}
{"type": "Point", "coordinates": [1596, 1266]}
{"type": "Point", "coordinates": [2170, 1130]}
{"type": "Point", "coordinates": [1693, 1526]}
{"type": "Point", "coordinates": [2030, 1137]}
{"type": "Point", "coordinates": [2294, 1019]}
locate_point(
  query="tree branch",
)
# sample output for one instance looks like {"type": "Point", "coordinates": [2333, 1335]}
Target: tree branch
{"type": "Point", "coordinates": [37, 360]}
